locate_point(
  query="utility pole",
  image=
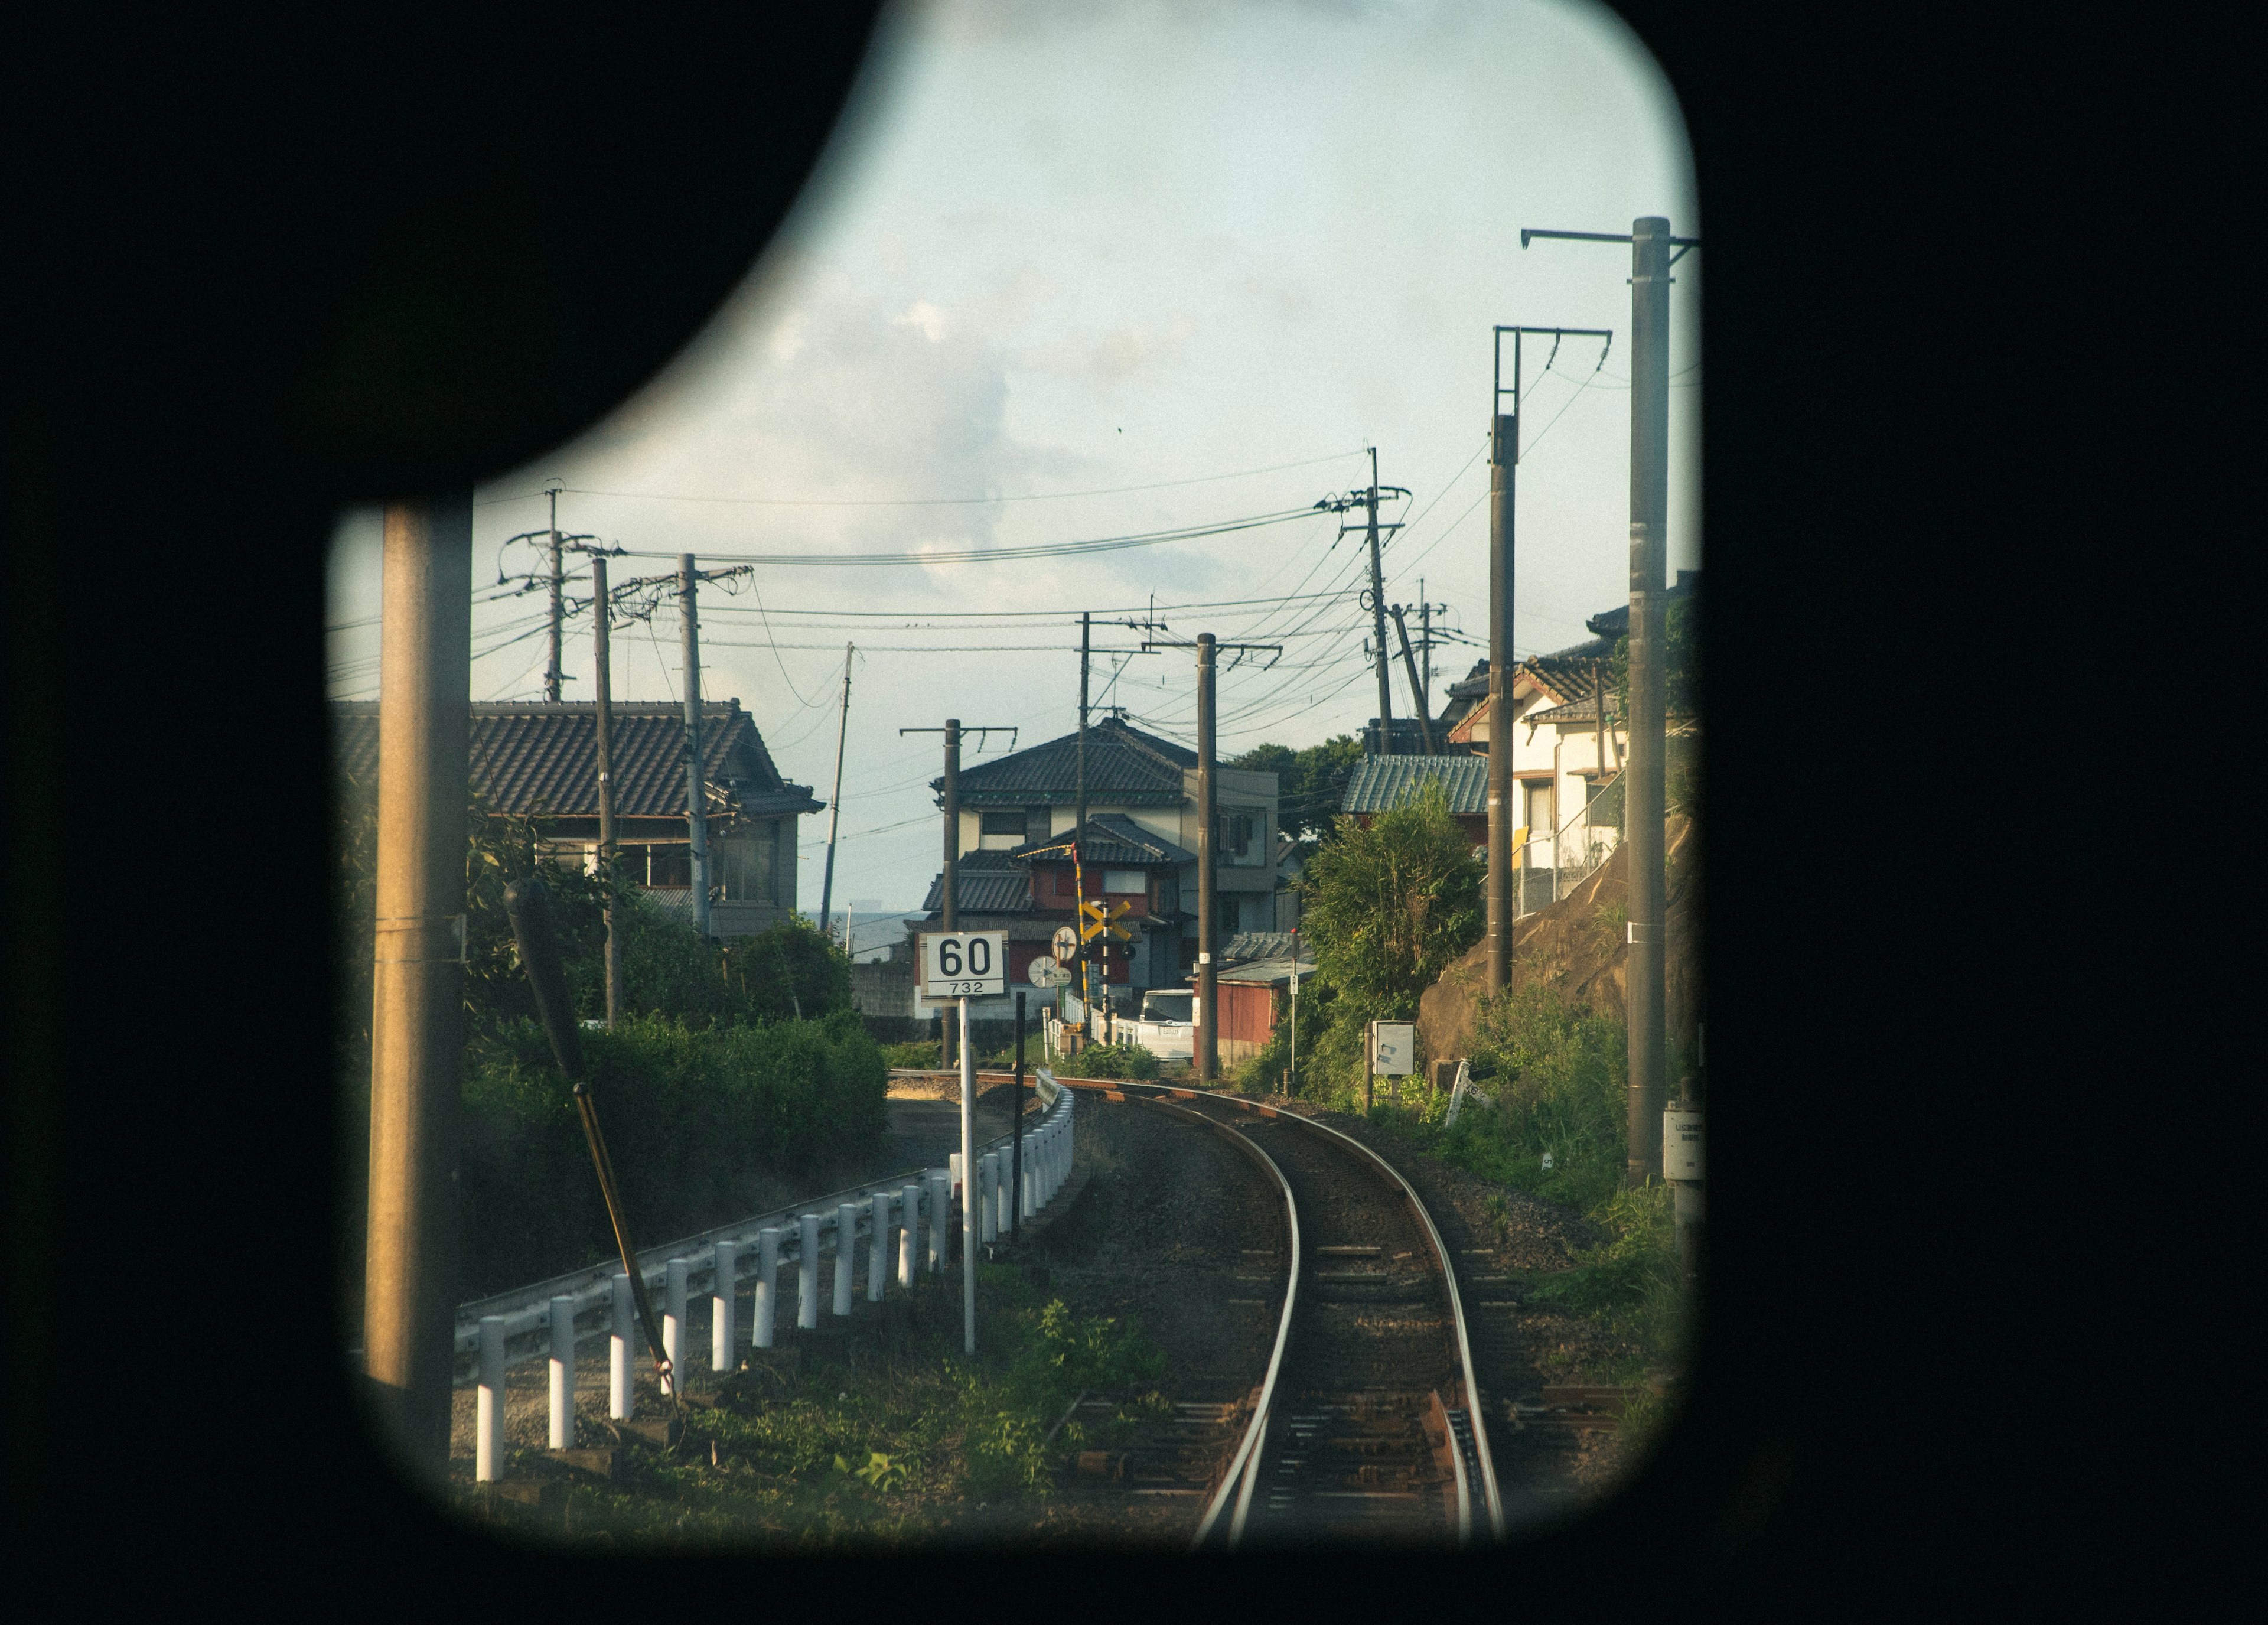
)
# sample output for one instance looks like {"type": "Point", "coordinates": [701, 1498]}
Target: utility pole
{"type": "Point", "coordinates": [418, 977]}
{"type": "Point", "coordinates": [835, 808]}
{"type": "Point", "coordinates": [617, 988]}
{"type": "Point", "coordinates": [1208, 1017]}
{"type": "Point", "coordinates": [1417, 689]}
{"type": "Point", "coordinates": [949, 901]}
{"type": "Point", "coordinates": [1079, 829]}
{"type": "Point", "coordinates": [1375, 594]}
{"type": "Point", "coordinates": [1504, 458]}
{"type": "Point", "coordinates": [551, 673]}
{"type": "Point", "coordinates": [696, 806]}
{"type": "Point", "coordinates": [1649, 557]}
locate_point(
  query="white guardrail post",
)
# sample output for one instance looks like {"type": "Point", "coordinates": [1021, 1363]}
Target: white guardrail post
{"type": "Point", "coordinates": [910, 1201]}
{"type": "Point", "coordinates": [806, 1272]}
{"type": "Point", "coordinates": [622, 1398]}
{"type": "Point", "coordinates": [846, 1247]}
{"type": "Point", "coordinates": [1004, 1218]}
{"type": "Point", "coordinates": [988, 1178]}
{"type": "Point", "coordinates": [722, 1323]}
{"type": "Point", "coordinates": [878, 1246]}
{"type": "Point", "coordinates": [766, 1283]}
{"type": "Point", "coordinates": [673, 1322]}
{"type": "Point", "coordinates": [487, 1411]}
{"type": "Point", "coordinates": [935, 1229]}
{"type": "Point", "coordinates": [563, 1373]}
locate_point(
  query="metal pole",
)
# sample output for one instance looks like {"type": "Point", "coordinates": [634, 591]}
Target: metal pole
{"type": "Point", "coordinates": [1016, 1132]}
{"type": "Point", "coordinates": [1208, 1033]}
{"type": "Point", "coordinates": [1503, 448]}
{"type": "Point", "coordinates": [1078, 828]}
{"type": "Point", "coordinates": [967, 1186]}
{"type": "Point", "coordinates": [1425, 637]}
{"type": "Point", "coordinates": [1378, 618]}
{"type": "Point", "coordinates": [951, 899]}
{"type": "Point", "coordinates": [617, 987]}
{"type": "Point", "coordinates": [835, 808]}
{"type": "Point", "coordinates": [418, 977]}
{"type": "Point", "coordinates": [696, 810]}
{"type": "Point", "coordinates": [551, 673]}
{"type": "Point", "coordinates": [1649, 500]}
{"type": "Point", "coordinates": [1417, 689]}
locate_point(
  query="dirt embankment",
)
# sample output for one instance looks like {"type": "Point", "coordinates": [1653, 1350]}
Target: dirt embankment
{"type": "Point", "coordinates": [1577, 945]}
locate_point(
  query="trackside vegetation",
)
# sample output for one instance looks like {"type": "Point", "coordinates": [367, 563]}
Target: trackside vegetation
{"type": "Point", "coordinates": [892, 1434]}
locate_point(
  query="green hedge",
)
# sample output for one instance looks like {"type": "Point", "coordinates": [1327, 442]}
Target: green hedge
{"type": "Point", "coordinates": [695, 1119]}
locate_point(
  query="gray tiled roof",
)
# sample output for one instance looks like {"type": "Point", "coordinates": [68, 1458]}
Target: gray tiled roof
{"type": "Point", "coordinates": [1249, 945]}
{"type": "Point", "coordinates": [1382, 782]}
{"type": "Point", "coordinates": [1125, 765]}
{"type": "Point", "coordinates": [987, 883]}
{"type": "Point", "coordinates": [537, 758]}
{"type": "Point", "coordinates": [1116, 840]}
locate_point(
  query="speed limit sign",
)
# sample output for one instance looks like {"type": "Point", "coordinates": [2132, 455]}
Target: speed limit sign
{"type": "Point", "coordinates": [1065, 946]}
{"type": "Point", "coordinates": [964, 964]}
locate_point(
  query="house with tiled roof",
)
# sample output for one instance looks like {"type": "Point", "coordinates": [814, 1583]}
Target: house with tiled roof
{"type": "Point", "coordinates": [1015, 873]}
{"type": "Point", "coordinates": [542, 760]}
{"type": "Point", "coordinates": [1568, 746]}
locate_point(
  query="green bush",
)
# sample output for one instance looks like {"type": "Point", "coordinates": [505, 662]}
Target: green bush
{"type": "Point", "coordinates": [922, 1052]}
{"type": "Point", "coordinates": [1113, 1060]}
{"type": "Point", "coordinates": [1557, 1072]}
{"type": "Point", "coordinates": [695, 1119]}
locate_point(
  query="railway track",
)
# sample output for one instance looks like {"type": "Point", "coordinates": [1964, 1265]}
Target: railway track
{"type": "Point", "coordinates": [1363, 1429]}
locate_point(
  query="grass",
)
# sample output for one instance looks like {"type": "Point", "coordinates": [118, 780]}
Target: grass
{"type": "Point", "coordinates": [884, 1447]}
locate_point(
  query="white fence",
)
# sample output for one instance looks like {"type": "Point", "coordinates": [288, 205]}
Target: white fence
{"type": "Point", "coordinates": [1558, 861]}
{"type": "Point", "coordinates": [498, 1333]}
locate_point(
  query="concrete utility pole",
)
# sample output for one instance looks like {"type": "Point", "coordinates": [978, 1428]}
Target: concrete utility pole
{"type": "Point", "coordinates": [949, 900]}
{"type": "Point", "coordinates": [1378, 618]}
{"type": "Point", "coordinates": [696, 804]}
{"type": "Point", "coordinates": [1207, 1059]}
{"type": "Point", "coordinates": [1417, 688]}
{"type": "Point", "coordinates": [1078, 828]}
{"type": "Point", "coordinates": [834, 807]}
{"type": "Point", "coordinates": [1208, 1032]}
{"type": "Point", "coordinates": [1504, 460]}
{"type": "Point", "coordinates": [551, 673]}
{"type": "Point", "coordinates": [617, 987]}
{"type": "Point", "coordinates": [418, 977]}
{"type": "Point", "coordinates": [1649, 503]}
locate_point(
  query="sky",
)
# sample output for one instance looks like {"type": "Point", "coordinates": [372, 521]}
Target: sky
{"type": "Point", "coordinates": [1078, 273]}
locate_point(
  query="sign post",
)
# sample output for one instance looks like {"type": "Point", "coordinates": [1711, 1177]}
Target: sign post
{"type": "Point", "coordinates": [1393, 1052]}
{"type": "Point", "coordinates": [961, 966]}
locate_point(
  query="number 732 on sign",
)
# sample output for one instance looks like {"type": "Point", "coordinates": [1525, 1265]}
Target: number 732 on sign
{"type": "Point", "coordinates": [964, 964]}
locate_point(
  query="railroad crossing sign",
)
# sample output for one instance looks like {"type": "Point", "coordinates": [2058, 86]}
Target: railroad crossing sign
{"type": "Point", "coordinates": [1102, 920]}
{"type": "Point", "coordinates": [1065, 946]}
{"type": "Point", "coordinates": [1048, 973]}
{"type": "Point", "coordinates": [963, 964]}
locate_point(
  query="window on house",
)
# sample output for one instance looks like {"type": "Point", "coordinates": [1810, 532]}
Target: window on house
{"type": "Point", "coordinates": [1124, 880]}
{"type": "Point", "coordinates": [1008, 822]}
{"type": "Point", "coordinates": [744, 865]}
{"type": "Point", "coordinates": [1169, 894]}
{"type": "Point", "coordinates": [1038, 823]}
{"type": "Point", "coordinates": [1539, 809]}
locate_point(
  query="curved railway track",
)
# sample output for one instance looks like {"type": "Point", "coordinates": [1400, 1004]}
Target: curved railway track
{"type": "Point", "coordinates": [1365, 1429]}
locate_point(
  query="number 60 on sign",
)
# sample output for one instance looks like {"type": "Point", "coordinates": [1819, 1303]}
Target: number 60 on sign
{"type": "Point", "coordinates": [964, 964]}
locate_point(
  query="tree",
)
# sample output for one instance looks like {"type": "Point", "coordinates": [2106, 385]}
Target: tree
{"type": "Point", "coordinates": [1309, 783]}
{"type": "Point", "coordinates": [1389, 906]}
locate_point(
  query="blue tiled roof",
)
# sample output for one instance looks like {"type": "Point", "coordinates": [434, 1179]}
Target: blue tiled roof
{"type": "Point", "coordinates": [1382, 782]}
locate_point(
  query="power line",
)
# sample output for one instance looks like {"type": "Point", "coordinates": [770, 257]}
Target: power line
{"type": "Point", "coordinates": [988, 555]}
{"type": "Point", "coordinates": [921, 502]}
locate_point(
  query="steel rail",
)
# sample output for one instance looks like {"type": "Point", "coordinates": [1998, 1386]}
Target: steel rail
{"type": "Point", "coordinates": [1243, 1467]}
{"type": "Point", "coordinates": [1491, 1499]}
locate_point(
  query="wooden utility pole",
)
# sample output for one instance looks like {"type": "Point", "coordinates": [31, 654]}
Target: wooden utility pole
{"type": "Point", "coordinates": [617, 987]}
{"type": "Point", "coordinates": [696, 806]}
{"type": "Point", "coordinates": [835, 808]}
{"type": "Point", "coordinates": [1378, 617]}
{"type": "Point", "coordinates": [418, 977]}
{"type": "Point", "coordinates": [1651, 259]}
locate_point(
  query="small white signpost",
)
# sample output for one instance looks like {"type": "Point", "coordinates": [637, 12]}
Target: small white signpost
{"type": "Point", "coordinates": [964, 964]}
